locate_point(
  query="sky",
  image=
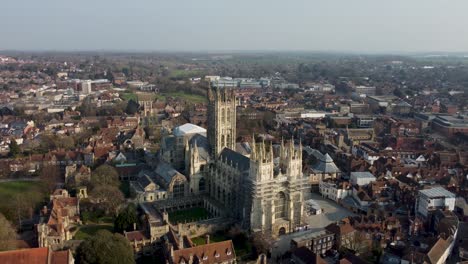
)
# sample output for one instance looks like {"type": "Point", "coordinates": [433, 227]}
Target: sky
{"type": "Point", "coordinates": [366, 26]}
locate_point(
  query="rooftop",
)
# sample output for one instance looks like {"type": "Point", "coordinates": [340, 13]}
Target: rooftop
{"type": "Point", "coordinates": [437, 192]}
{"type": "Point", "coordinates": [313, 235]}
{"type": "Point", "coordinates": [188, 129]}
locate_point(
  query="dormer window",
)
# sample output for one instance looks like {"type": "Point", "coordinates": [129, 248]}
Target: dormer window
{"type": "Point", "coordinates": [216, 255]}
{"type": "Point", "coordinates": [205, 257]}
{"type": "Point", "coordinates": [229, 253]}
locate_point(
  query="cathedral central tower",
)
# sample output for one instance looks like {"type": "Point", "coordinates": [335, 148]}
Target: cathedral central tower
{"type": "Point", "coordinates": [221, 119]}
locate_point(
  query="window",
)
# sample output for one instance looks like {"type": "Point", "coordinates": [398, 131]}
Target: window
{"type": "Point", "coordinates": [201, 185]}
{"type": "Point", "coordinates": [280, 205]}
{"type": "Point", "coordinates": [178, 189]}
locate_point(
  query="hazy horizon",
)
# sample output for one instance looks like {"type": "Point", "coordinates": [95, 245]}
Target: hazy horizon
{"type": "Point", "coordinates": [359, 26]}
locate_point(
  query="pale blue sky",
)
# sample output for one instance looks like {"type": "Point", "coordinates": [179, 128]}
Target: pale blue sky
{"type": "Point", "coordinates": [214, 25]}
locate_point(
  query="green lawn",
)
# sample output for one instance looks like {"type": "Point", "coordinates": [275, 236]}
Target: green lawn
{"type": "Point", "coordinates": [127, 96]}
{"type": "Point", "coordinates": [25, 194]}
{"type": "Point", "coordinates": [192, 98]}
{"type": "Point", "coordinates": [8, 189]}
{"type": "Point", "coordinates": [89, 230]}
{"type": "Point", "coordinates": [180, 74]}
{"type": "Point", "coordinates": [189, 215]}
{"type": "Point", "coordinates": [213, 238]}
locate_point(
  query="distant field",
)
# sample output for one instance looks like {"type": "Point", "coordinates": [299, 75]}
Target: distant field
{"type": "Point", "coordinates": [180, 74]}
{"type": "Point", "coordinates": [192, 98]}
{"type": "Point", "coordinates": [188, 215]}
{"type": "Point", "coordinates": [89, 230]}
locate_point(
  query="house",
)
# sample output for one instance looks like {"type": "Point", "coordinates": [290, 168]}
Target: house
{"type": "Point", "coordinates": [178, 248]}
{"type": "Point", "coordinates": [77, 174]}
{"type": "Point", "coordinates": [304, 255]}
{"type": "Point", "coordinates": [343, 231]}
{"type": "Point", "coordinates": [42, 255]}
{"type": "Point", "coordinates": [435, 198]}
{"type": "Point", "coordinates": [318, 242]}
{"type": "Point", "coordinates": [145, 189]}
{"type": "Point", "coordinates": [361, 178]}
{"type": "Point", "coordinates": [56, 220]}
{"type": "Point", "coordinates": [334, 190]}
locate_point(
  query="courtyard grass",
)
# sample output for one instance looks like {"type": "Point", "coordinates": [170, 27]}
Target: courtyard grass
{"type": "Point", "coordinates": [191, 98]}
{"type": "Point", "coordinates": [188, 215]}
{"type": "Point", "coordinates": [88, 230]}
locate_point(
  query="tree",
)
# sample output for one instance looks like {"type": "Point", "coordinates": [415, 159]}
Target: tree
{"type": "Point", "coordinates": [7, 234]}
{"type": "Point", "coordinates": [50, 175]}
{"type": "Point", "coordinates": [14, 149]}
{"type": "Point", "coordinates": [262, 242]}
{"type": "Point", "coordinates": [108, 197]}
{"type": "Point", "coordinates": [105, 175]}
{"type": "Point", "coordinates": [125, 219]}
{"type": "Point", "coordinates": [357, 243]}
{"type": "Point", "coordinates": [105, 248]}
{"type": "Point", "coordinates": [132, 107]}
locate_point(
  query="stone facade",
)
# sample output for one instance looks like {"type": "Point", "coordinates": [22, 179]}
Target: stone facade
{"type": "Point", "coordinates": [221, 119]}
{"type": "Point", "coordinates": [264, 191]}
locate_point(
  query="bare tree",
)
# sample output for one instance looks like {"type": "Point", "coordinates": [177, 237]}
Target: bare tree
{"type": "Point", "coordinates": [51, 176]}
{"type": "Point", "coordinates": [109, 198]}
{"type": "Point", "coordinates": [358, 243]}
{"type": "Point", "coordinates": [7, 234]}
{"type": "Point", "coordinates": [262, 241]}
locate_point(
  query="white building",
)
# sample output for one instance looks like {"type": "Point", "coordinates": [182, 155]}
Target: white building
{"type": "Point", "coordinates": [435, 198]}
{"type": "Point", "coordinates": [333, 190]}
{"type": "Point", "coordinates": [86, 87]}
{"type": "Point", "coordinates": [361, 178]}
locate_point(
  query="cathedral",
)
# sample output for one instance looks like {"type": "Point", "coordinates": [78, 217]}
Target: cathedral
{"type": "Point", "coordinates": [263, 189]}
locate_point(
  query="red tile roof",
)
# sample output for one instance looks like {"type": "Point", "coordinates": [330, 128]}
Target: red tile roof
{"type": "Point", "coordinates": [218, 252]}
{"type": "Point", "coordinates": [34, 256]}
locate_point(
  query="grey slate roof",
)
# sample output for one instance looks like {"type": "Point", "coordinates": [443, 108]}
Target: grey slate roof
{"type": "Point", "coordinates": [326, 165]}
{"type": "Point", "coordinates": [202, 145]}
{"type": "Point", "coordinates": [230, 155]}
{"type": "Point", "coordinates": [166, 172]}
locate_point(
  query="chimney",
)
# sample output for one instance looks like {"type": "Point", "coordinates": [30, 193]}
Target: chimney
{"type": "Point", "coordinates": [134, 227]}
{"type": "Point", "coordinates": [207, 239]}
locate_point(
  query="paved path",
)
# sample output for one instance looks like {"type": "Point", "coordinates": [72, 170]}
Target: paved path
{"type": "Point", "coordinates": [332, 212]}
{"type": "Point", "coordinates": [19, 179]}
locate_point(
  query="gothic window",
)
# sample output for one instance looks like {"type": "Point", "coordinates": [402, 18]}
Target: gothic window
{"type": "Point", "coordinates": [223, 143]}
{"type": "Point", "coordinates": [280, 205]}
{"type": "Point", "coordinates": [223, 115]}
{"type": "Point", "coordinates": [228, 139]}
{"type": "Point", "coordinates": [228, 113]}
{"type": "Point", "coordinates": [178, 190]}
{"type": "Point", "coordinates": [201, 185]}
